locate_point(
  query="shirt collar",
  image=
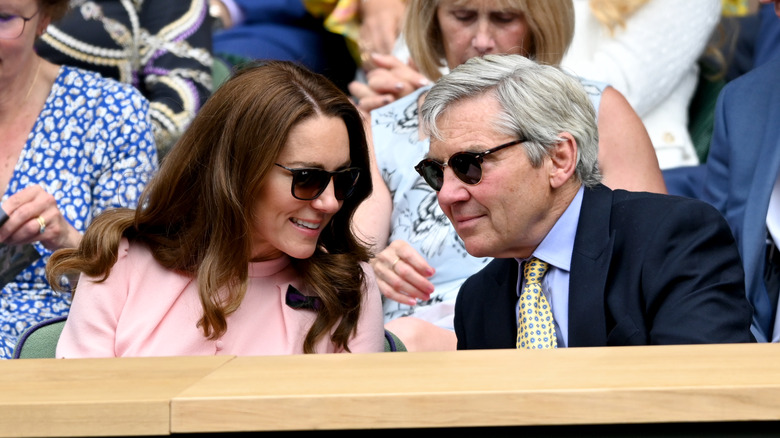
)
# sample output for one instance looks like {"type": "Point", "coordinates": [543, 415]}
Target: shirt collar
{"type": "Point", "coordinates": [557, 247]}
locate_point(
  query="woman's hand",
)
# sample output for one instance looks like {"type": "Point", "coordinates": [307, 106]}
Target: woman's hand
{"type": "Point", "coordinates": [389, 80]}
{"type": "Point", "coordinates": [402, 273]}
{"type": "Point", "coordinates": [33, 216]}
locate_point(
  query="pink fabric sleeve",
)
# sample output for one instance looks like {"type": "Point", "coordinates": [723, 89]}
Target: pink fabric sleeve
{"type": "Point", "coordinates": [370, 336]}
{"type": "Point", "coordinates": [90, 330]}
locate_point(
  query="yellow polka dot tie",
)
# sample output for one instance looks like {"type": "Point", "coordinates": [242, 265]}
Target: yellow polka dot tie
{"type": "Point", "coordinates": [535, 324]}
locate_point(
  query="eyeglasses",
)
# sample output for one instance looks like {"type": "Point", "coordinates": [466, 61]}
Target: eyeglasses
{"type": "Point", "coordinates": [467, 166]}
{"type": "Point", "coordinates": [12, 26]}
{"type": "Point", "coordinates": [308, 182]}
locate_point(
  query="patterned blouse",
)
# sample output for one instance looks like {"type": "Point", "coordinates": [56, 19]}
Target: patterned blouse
{"type": "Point", "coordinates": [92, 148]}
{"type": "Point", "coordinates": [162, 47]}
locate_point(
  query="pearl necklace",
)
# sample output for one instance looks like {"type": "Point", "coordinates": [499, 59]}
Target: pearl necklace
{"type": "Point", "coordinates": [35, 79]}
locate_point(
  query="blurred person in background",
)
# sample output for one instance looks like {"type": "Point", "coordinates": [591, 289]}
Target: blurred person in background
{"type": "Point", "coordinates": [161, 47]}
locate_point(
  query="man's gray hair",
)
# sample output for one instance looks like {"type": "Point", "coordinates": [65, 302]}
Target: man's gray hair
{"type": "Point", "coordinates": [539, 102]}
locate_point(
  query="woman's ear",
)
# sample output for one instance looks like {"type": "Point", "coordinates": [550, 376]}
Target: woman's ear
{"type": "Point", "coordinates": [42, 25]}
{"type": "Point", "coordinates": [563, 159]}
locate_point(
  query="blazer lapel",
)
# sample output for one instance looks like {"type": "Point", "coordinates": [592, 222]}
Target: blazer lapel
{"type": "Point", "coordinates": [502, 317]}
{"type": "Point", "coordinates": [589, 269]}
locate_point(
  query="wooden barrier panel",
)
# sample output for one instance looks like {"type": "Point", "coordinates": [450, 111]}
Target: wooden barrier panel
{"type": "Point", "coordinates": [501, 388]}
{"type": "Point", "coordinates": [94, 397]}
{"type": "Point", "coordinates": [614, 385]}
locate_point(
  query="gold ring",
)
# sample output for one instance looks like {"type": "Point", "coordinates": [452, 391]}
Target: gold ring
{"type": "Point", "coordinates": [42, 223]}
{"type": "Point", "coordinates": [392, 265]}
{"type": "Point", "coordinates": [364, 57]}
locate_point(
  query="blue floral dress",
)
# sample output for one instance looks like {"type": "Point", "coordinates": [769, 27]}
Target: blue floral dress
{"type": "Point", "coordinates": [92, 148]}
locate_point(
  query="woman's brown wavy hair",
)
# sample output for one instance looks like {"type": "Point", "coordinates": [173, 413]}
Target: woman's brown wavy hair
{"type": "Point", "coordinates": [195, 215]}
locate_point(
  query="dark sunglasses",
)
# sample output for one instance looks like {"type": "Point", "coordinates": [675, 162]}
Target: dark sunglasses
{"type": "Point", "coordinates": [308, 182]}
{"type": "Point", "coordinates": [467, 166]}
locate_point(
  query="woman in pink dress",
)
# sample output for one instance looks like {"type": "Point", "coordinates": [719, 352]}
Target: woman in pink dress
{"type": "Point", "coordinates": [242, 244]}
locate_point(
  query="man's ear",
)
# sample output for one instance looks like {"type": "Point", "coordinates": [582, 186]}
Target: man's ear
{"type": "Point", "coordinates": [563, 160]}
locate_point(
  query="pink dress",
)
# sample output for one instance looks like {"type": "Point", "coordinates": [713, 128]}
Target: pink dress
{"type": "Point", "coordinates": [143, 309]}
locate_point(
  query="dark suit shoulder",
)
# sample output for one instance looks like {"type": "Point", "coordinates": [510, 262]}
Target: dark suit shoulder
{"type": "Point", "coordinates": [652, 206]}
{"type": "Point", "coordinates": [671, 272]}
{"type": "Point", "coordinates": [652, 221]}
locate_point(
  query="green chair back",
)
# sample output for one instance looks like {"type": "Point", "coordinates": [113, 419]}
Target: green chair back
{"type": "Point", "coordinates": [393, 343]}
{"type": "Point", "coordinates": [40, 340]}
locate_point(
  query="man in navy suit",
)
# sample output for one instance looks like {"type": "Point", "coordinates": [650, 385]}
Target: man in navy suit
{"type": "Point", "coordinates": [513, 157]}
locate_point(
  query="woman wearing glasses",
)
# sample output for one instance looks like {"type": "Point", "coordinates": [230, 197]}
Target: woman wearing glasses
{"type": "Point", "coordinates": [72, 144]}
{"type": "Point", "coordinates": [242, 243]}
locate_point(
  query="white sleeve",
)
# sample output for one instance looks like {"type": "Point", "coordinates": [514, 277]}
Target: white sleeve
{"type": "Point", "coordinates": [647, 59]}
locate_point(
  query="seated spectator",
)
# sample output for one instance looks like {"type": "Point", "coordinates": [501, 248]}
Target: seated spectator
{"type": "Point", "coordinates": [74, 145]}
{"type": "Point", "coordinates": [740, 178]}
{"type": "Point", "coordinates": [757, 42]}
{"type": "Point", "coordinates": [577, 264]}
{"type": "Point", "coordinates": [282, 30]}
{"type": "Point", "coordinates": [421, 262]}
{"type": "Point", "coordinates": [242, 244]}
{"type": "Point", "coordinates": [648, 50]}
{"type": "Point", "coordinates": [314, 35]}
{"type": "Point", "coordinates": [161, 47]}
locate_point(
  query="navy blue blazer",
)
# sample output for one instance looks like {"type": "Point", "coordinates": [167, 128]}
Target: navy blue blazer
{"type": "Point", "coordinates": [646, 269]}
{"type": "Point", "coordinates": [741, 170]}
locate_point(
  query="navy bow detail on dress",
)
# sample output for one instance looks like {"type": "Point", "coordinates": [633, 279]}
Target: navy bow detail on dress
{"type": "Point", "coordinates": [297, 300]}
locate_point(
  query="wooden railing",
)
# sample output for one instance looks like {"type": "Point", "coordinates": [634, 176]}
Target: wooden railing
{"type": "Point", "coordinates": [584, 386]}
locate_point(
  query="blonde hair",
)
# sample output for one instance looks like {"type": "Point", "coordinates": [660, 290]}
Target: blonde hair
{"type": "Point", "coordinates": [550, 27]}
{"type": "Point", "coordinates": [614, 13]}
